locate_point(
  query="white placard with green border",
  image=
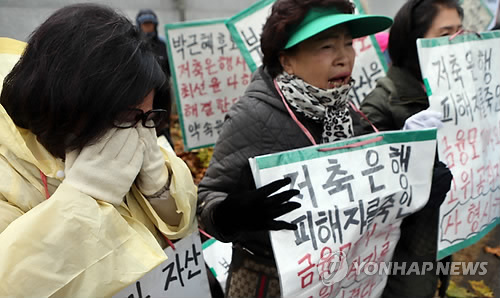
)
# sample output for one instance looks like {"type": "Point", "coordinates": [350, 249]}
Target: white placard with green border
{"type": "Point", "coordinates": [246, 29]}
{"type": "Point", "coordinates": [209, 76]}
{"type": "Point", "coordinates": [462, 78]}
{"type": "Point", "coordinates": [183, 274]}
{"type": "Point", "coordinates": [477, 15]}
{"type": "Point", "coordinates": [354, 195]}
{"type": "Point", "coordinates": [218, 256]}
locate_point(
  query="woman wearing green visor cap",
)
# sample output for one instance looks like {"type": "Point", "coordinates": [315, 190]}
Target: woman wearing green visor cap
{"type": "Point", "coordinates": [299, 97]}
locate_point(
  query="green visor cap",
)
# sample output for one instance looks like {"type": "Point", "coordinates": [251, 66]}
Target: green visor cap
{"type": "Point", "coordinates": [319, 19]}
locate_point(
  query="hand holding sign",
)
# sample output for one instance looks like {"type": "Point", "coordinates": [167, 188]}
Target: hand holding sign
{"type": "Point", "coordinates": [256, 210]}
{"type": "Point", "coordinates": [424, 119]}
{"type": "Point", "coordinates": [441, 183]}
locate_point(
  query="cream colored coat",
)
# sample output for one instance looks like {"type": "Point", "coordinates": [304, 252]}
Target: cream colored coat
{"type": "Point", "coordinates": [72, 245]}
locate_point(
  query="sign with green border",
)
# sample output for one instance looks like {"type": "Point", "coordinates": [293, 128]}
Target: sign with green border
{"type": "Point", "coordinates": [209, 76]}
{"type": "Point", "coordinates": [462, 76]}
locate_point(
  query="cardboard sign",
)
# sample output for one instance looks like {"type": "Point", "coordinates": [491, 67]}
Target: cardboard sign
{"type": "Point", "coordinates": [183, 274]}
{"type": "Point", "coordinates": [209, 76]}
{"type": "Point", "coordinates": [354, 195]}
{"type": "Point", "coordinates": [218, 257]}
{"type": "Point", "coordinates": [246, 29]}
{"type": "Point", "coordinates": [462, 77]}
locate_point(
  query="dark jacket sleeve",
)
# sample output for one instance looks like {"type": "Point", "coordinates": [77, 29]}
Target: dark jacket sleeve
{"type": "Point", "coordinates": [243, 135]}
{"type": "Point", "coordinates": [377, 109]}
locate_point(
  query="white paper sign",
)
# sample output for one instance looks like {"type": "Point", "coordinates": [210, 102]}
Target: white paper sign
{"type": "Point", "coordinates": [218, 257]}
{"type": "Point", "coordinates": [353, 201]}
{"type": "Point", "coordinates": [209, 76]}
{"type": "Point", "coordinates": [183, 274]}
{"type": "Point", "coordinates": [463, 81]}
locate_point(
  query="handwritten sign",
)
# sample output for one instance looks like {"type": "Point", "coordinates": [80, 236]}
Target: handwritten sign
{"type": "Point", "coordinates": [463, 80]}
{"type": "Point", "coordinates": [369, 64]}
{"type": "Point", "coordinates": [477, 16]}
{"type": "Point", "coordinates": [209, 76]}
{"type": "Point", "coordinates": [246, 29]}
{"type": "Point", "coordinates": [183, 274]}
{"type": "Point", "coordinates": [218, 257]}
{"type": "Point", "coordinates": [353, 201]}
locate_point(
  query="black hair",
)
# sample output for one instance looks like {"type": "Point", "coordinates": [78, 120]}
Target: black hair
{"type": "Point", "coordinates": [285, 16]}
{"type": "Point", "coordinates": [83, 67]}
{"type": "Point", "coordinates": [411, 22]}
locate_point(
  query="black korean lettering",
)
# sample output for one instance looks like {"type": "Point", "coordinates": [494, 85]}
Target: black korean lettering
{"type": "Point", "coordinates": [339, 184]}
{"type": "Point", "coordinates": [404, 158]}
{"type": "Point", "coordinates": [193, 42]}
{"type": "Point", "coordinates": [139, 291]}
{"type": "Point", "coordinates": [372, 160]}
{"type": "Point", "coordinates": [304, 184]}
{"type": "Point", "coordinates": [251, 41]}
{"type": "Point", "coordinates": [218, 126]}
{"type": "Point", "coordinates": [225, 264]}
{"type": "Point", "coordinates": [303, 233]}
{"type": "Point", "coordinates": [442, 73]}
{"type": "Point", "coordinates": [194, 259]}
{"type": "Point", "coordinates": [208, 129]}
{"type": "Point", "coordinates": [469, 58]}
{"type": "Point", "coordinates": [221, 39]}
{"type": "Point", "coordinates": [170, 275]}
{"type": "Point", "coordinates": [351, 213]}
{"type": "Point", "coordinates": [179, 44]}
{"type": "Point", "coordinates": [372, 209]}
{"type": "Point", "coordinates": [456, 70]}
{"type": "Point", "coordinates": [386, 205]}
{"type": "Point", "coordinates": [207, 42]}
{"type": "Point", "coordinates": [194, 129]}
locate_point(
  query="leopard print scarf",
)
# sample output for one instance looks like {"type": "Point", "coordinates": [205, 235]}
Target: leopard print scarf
{"type": "Point", "coordinates": [329, 106]}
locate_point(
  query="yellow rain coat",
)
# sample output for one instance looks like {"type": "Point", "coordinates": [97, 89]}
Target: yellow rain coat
{"type": "Point", "coordinates": [72, 245]}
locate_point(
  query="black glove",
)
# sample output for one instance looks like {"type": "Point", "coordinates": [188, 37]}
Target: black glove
{"type": "Point", "coordinates": [256, 210]}
{"type": "Point", "coordinates": [441, 183]}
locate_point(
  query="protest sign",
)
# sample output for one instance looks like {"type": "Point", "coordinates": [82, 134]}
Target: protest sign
{"type": "Point", "coordinates": [354, 195]}
{"type": "Point", "coordinates": [369, 64]}
{"type": "Point", "coordinates": [209, 76]}
{"type": "Point", "coordinates": [218, 257]}
{"type": "Point", "coordinates": [477, 16]}
{"type": "Point", "coordinates": [246, 29]}
{"type": "Point", "coordinates": [183, 274]}
{"type": "Point", "coordinates": [462, 78]}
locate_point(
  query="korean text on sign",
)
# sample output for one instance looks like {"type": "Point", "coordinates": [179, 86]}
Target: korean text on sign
{"type": "Point", "coordinates": [463, 79]}
{"type": "Point", "coordinates": [353, 201]}
{"type": "Point", "coordinates": [209, 74]}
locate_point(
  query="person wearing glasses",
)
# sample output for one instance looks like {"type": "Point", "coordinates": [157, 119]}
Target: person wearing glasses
{"type": "Point", "coordinates": [398, 96]}
{"type": "Point", "coordinates": [299, 97]}
{"type": "Point", "coordinates": [88, 200]}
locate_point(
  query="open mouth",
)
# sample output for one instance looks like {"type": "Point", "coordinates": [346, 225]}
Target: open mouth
{"type": "Point", "coordinates": [339, 80]}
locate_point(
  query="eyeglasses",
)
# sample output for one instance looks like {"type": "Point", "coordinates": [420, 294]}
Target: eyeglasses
{"type": "Point", "coordinates": [131, 117]}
